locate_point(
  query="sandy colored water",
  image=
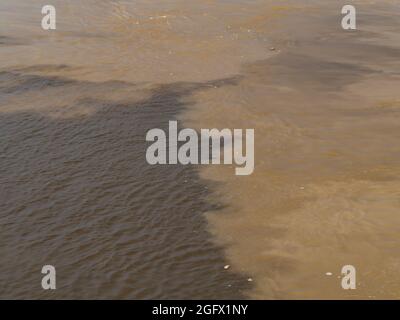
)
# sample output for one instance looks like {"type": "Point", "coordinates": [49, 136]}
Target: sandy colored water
{"type": "Point", "coordinates": [325, 191]}
{"type": "Point", "coordinates": [76, 192]}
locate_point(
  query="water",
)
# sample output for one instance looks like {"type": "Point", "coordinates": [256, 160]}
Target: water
{"type": "Point", "coordinates": [76, 191]}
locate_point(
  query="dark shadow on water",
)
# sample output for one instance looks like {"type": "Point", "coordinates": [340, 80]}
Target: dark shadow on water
{"type": "Point", "coordinates": [78, 194]}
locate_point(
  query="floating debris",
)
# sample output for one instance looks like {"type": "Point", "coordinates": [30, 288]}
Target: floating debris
{"type": "Point", "coordinates": [227, 267]}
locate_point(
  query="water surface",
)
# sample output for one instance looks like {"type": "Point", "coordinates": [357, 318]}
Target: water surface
{"type": "Point", "coordinates": [76, 192]}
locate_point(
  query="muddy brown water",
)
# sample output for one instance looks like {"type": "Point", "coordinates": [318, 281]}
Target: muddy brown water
{"type": "Point", "coordinates": [76, 191]}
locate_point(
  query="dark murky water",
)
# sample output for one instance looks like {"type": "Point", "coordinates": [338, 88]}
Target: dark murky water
{"type": "Point", "coordinates": [77, 193]}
